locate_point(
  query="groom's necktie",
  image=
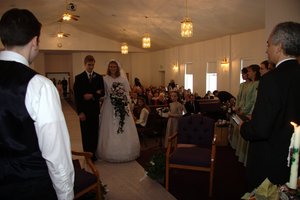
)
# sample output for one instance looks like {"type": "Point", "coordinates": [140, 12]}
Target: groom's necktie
{"type": "Point", "coordinates": [90, 77]}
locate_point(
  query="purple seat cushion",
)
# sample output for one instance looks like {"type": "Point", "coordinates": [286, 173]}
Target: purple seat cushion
{"type": "Point", "coordinates": [83, 179]}
{"type": "Point", "coordinates": [196, 156]}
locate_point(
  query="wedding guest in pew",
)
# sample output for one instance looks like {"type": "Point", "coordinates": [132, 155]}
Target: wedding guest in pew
{"type": "Point", "coordinates": [172, 86]}
{"type": "Point", "coordinates": [155, 97]}
{"type": "Point", "coordinates": [269, 131]}
{"type": "Point", "coordinates": [191, 105]}
{"type": "Point", "coordinates": [223, 96]}
{"type": "Point", "coordinates": [149, 96]}
{"type": "Point", "coordinates": [143, 110]}
{"type": "Point", "coordinates": [208, 95]}
{"type": "Point", "coordinates": [133, 100]}
{"type": "Point", "coordinates": [162, 100]}
{"type": "Point", "coordinates": [197, 96]}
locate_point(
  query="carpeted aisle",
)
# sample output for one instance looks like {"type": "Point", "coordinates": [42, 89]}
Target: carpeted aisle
{"type": "Point", "coordinates": [125, 181]}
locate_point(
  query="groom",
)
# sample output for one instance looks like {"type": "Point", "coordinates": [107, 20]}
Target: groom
{"type": "Point", "coordinates": [88, 89]}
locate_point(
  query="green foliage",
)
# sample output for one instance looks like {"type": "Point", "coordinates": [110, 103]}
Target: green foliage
{"type": "Point", "coordinates": [156, 167]}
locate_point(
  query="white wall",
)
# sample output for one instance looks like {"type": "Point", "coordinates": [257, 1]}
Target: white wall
{"type": "Point", "coordinates": [148, 67]}
{"type": "Point", "coordinates": [250, 45]}
{"type": "Point", "coordinates": [279, 11]}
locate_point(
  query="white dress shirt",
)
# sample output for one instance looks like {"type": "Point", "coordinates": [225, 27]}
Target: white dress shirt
{"type": "Point", "coordinates": [143, 117]}
{"type": "Point", "coordinates": [43, 105]}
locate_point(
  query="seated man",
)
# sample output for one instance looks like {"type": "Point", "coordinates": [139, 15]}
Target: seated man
{"type": "Point", "coordinates": [191, 106]}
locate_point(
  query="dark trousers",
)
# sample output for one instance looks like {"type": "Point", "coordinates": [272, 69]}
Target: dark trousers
{"type": "Point", "coordinates": [29, 189]}
{"type": "Point", "coordinates": [89, 133]}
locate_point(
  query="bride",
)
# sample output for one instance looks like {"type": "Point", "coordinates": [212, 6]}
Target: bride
{"type": "Point", "coordinates": [118, 137]}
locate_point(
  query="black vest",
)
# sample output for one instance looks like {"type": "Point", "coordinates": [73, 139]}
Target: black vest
{"type": "Point", "coordinates": [20, 156]}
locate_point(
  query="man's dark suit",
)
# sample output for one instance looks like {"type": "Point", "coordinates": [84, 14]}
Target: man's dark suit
{"type": "Point", "coordinates": [192, 107]}
{"type": "Point", "coordinates": [270, 131]}
{"type": "Point", "coordinates": [91, 108]}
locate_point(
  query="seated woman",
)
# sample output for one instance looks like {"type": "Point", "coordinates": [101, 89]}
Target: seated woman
{"type": "Point", "coordinates": [141, 121]}
{"type": "Point", "coordinates": [162, 101]}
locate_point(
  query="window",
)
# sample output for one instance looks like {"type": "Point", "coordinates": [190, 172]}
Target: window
{"type": "Point", "coordinates": [211, 81]}
{"type": "Point", "coordinates": [188, 77]}
{"type": "Point", "coordinates": [188, 82]}
{"type": "Point", "coordinates": [211, 76]}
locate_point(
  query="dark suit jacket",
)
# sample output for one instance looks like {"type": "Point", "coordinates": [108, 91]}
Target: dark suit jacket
{"type": "Point", "coordinates": [190, 108]}
{"type": "Point", "coordinates": [82, 85]}
{"type": "Point", "coordinates": [270, 131]}
{"type": "Point", "coordinates": [225, 96]}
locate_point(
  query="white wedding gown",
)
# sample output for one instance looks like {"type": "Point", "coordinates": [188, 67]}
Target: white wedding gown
{"type": "Point", "coordinates": [113, 146]}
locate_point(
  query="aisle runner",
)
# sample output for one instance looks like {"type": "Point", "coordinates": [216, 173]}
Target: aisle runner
{"type": "Point", "coordinates": [124, 180]}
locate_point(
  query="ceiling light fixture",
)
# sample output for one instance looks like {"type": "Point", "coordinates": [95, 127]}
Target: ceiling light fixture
{"type": "Point", "coordinates": [66, 17]}
{"type": "Point", "coordinates": [146, 40]}
{"type": "Point", "coordinates": [124, 48]}
{"type": "Point", "coordinates": [186, 25]}
{"type": "Point", "coordinates": [60, 34]}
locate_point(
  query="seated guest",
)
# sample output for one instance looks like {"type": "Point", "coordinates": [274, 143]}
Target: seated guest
{"type": "Point", "coordinates": [155, 97]}
{"type": "Point", "coordinates": [162, 101]}
{"type": "Point", "coordinates": [191, 106]}
{"type": "Point", "coordinates": [197, 97]}
{"type": "Point", "coordinates": [149, 97]}
{"type": "Point", "coordinates": [223, 96]}
{"type": "Point", "coordinates": [172, 86]}
{"type": "Point", "coordinates": [133, 100]}
{"type": "Point", "coordinates": [141, 120]}
{"type": "Point", "coordinates": [208, 95]}
{"type": "Point", "coordinates": [140, 92]}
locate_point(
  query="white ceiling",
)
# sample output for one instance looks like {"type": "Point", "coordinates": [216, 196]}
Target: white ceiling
{"type": "Point", "coordinates": [124, 20]}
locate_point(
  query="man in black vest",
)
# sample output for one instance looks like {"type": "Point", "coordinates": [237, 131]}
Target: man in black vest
{"type": "Point", "coordinates": [35, 152]}
{"type": "Point", "coordinates": [88, 89]}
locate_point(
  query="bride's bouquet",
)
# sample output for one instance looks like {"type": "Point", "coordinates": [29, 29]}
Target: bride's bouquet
{"type": "Point", "coordinates": [120, 102]}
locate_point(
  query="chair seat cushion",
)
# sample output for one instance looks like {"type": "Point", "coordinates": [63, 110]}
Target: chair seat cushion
{"type": "Point", "coordinates": [83, 179]}
{"type": "Point", "coordinates": [196, 156]}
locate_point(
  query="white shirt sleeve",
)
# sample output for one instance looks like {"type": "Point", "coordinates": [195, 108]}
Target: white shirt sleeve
{"type": "Point", "coordinates": [44, 106]}
{"type": "Point", "coordinates": [143, 117]}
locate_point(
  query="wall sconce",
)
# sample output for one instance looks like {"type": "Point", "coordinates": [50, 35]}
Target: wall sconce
{"type": "Point", "coordinates": [175, 68]}
{"type": "Point", "coordinates": [225, 64]}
